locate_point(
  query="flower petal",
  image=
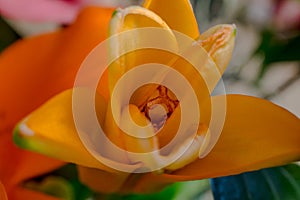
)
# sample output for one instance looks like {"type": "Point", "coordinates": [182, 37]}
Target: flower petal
{"type": "Point", "coordinates": [178, 15]}
{"type": "Point", "coordinates": [16, 164]}
{"type": "Point", "coordinates": [15, 169]}
{"type": "Point", "coordinates": [102, 181]}
{"type": "Point", "coordinates": [257, 134]}
{"type": "Point", "coordinates": [219, 41]}
{"type": "Point", "coordinates": [22, 193]}
{"type": "Point", "coordinates": [3, 195]}
{"type": "Point", "coordinates": [52, 63]}
{"type": "Point", "coordinates": [60, 54]}
{"type": "Point", "coordinates": [133, 46]}
{"type": "Point", "coordinates": [51, 130]}
{"type": "Point", "coordinates": [28, 80]}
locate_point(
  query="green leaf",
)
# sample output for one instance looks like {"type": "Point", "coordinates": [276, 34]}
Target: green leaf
{"type": "Point", "coordinates": [62, 183]}
{"type": "Point", "coordinates": [167, 193]}
{"type": "Point", "coordinates": [70, 173]}
{"type": "Point", "coordinates": [191, 189]}
{"type": "Point", "coordinates": [273, 183]}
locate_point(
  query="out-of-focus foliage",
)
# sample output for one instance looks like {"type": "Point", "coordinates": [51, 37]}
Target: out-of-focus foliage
{"type": "Point", "coordinates": [62, 183]}
{"type": "Point", "coordinates": [276, 49]}
{"type": "Point", "coordinates": [177, 191]}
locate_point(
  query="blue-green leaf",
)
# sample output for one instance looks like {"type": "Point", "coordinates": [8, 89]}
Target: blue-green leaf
{"type": "Point", "coordinates": [273, 183]}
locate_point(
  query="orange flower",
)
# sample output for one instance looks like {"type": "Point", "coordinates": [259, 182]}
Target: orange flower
{"type": "Point", "coordinates": [2, 192]}
{"type": "Point", "coordinates": [31, 71]}
{"type": "Point", "coordinates": [256, 133]}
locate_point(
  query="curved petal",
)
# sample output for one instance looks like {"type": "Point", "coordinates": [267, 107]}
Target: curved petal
{"type": "Point", "coordinates": [3, 195]}
{"type": "Point", "coordinates": [257, 134]}
{"type": "Point", "coordinates": [133, 46]}
{"type": "Point", "coordinates": [23, 74]}
{"type": "Point", "coordinates": [15, 169]}
{"type": "Point", "coordinates": [22, 193]}
{"type": "Point", "coordinates": [178, 14]}
{"type": "Point", "coordinates": [51, 130]}
{"type": "Point", "coordinates": [102, 181]}
{"type": "Point", "coordinates": [28, 80]}
{"type": "Point", "coordinates": [219, 41]}
{"type": "Point", "coordinates": [41, 10]}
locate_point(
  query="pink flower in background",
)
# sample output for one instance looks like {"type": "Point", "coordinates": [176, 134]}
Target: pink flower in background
{"type": "Point", "coordinates": [59, 11]}
{"type": "Point", "coordinates": [287, 14]}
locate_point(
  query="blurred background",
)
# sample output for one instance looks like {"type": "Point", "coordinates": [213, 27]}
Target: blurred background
{"type": "Point", "coordinates": [266, 60]}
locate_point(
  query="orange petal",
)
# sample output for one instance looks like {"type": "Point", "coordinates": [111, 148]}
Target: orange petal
{"type": "Point", "coordinates": [219, 42]}
{"type": "Point", "coordinates": [133, 46]}
{"type": "Point", "coordinates": [34, 69]}
{"type": "Point", "coordinates": [17, 165]}
{"type": "Point", "coordinates": [102, 181]}
{"type": "Point", "coordinates": [3, 195]}
{"type": "Point", "coordinates": [257, 134]}
{"type": "Point", "coordinates": [51, 130]}
{"type": "Point", "coordinates": [22, 193]}
{"type": "Point", "coordinates": [178, 14]}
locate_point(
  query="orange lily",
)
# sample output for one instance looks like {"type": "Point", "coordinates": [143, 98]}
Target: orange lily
{"type": "Point", "coordinates": [256, 133]}
{"type": "Point", "coordinates": [31, 71]}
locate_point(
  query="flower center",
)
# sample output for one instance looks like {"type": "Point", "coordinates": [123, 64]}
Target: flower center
{"type": "Point", "coordinates": [159, 107]}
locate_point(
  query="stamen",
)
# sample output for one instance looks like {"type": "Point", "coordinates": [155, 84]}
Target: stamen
{"type": "Point", "coordinates": [159, 107]}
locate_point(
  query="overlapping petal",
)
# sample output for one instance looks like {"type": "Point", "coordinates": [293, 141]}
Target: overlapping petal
{"type": "Point", "coordinates": [103, 181]}
{"type": "Point", "coordinates": [178, 15]}
{"type": "Point", "coordinates": [51, 130]}
{"type": "Point", "coordinates": [257, 134]}
{"type": "Point", "coordinates": [31, 71]}
{"type": "Point", "coordinates": [23, 193]}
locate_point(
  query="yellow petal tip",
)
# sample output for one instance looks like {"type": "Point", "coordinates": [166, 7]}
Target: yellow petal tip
{"type": "Point", "coordinates": [25, 130]}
